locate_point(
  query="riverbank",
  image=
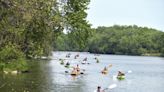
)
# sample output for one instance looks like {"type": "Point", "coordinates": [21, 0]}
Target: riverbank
{"type": "Point", "coordinates": [146, 54]}
{"type": "Point", "coordinates": [153, 54]}
{"type": "Point", "coordinates": [19, 67]}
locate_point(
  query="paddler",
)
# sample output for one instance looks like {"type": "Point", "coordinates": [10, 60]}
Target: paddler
{"type": "Point", "coordinates": [120, 73]}
{"type": "Point", "coordinates": [78, 68]}
{"type": "Point", "coordinates": [99, 89]}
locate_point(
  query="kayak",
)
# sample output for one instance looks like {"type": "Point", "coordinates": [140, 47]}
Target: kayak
{"type": "Point", "coordinates": [62, 63]}
{"type": "Point", "coordinates": [104, 72]}
{"type": "Point", "coordinates": [75, 74]}
{"type": "Point", "coordinates": [67, 66]}
{"type": "Point", "coordinates": [84, 63]}
{"type": "Point", "coordinates": [120, 77]}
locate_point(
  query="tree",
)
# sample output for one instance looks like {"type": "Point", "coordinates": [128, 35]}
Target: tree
{"type": "Point", "coordinates": [29, 26]}
{"type": "Point", "coordinates": [75, 22]}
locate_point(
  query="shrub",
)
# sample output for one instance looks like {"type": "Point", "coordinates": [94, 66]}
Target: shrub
{"type": "Point", "coordinates": [11, 58]}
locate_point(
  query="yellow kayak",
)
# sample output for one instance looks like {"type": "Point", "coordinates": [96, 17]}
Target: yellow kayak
{"type": "Point", "coordinates": [104, 72]}
{"type": "Point", "coordinates": [75, 74]}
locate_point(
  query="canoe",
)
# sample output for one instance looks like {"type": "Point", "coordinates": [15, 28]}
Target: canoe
{"type": "Point", "coordinates": [120, 77]}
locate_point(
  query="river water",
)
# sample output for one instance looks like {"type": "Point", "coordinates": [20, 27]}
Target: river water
{"type": "Point", "coordinates": [147, 75]}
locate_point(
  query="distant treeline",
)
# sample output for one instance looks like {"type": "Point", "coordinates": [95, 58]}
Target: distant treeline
{"type": "Point", "coordinates": [126, 40]}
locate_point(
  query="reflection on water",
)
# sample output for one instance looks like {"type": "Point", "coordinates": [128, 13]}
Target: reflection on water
{"type": "Point", "coordinates": [49, 76]}
{"type": "Point", "coordinates": [29, 82]}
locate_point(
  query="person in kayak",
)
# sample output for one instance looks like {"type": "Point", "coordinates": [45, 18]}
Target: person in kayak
{"type": "Point", "coordinates": [120, 73]}
{"type": "Point", "coordinates": [85, 59]}
{"type": "Point", "coordinates": [62, 62]}
{"type": "Point", "coordinates": [97, 60]}
{"type": "Point", "coordinates": [68, 55]}
{"type": "Point", "coordinates": [76, 56]}
{"type": "Point", "coordinates": [67, 64]}
{"type": "Point", "coordinates": [99, 89]}
{"type": "Point", "coordinates": [74, 71]}
{"type": "Point", "coordinates": [105, 70]}
{"type": "Point", "coordinates": [78, 68]}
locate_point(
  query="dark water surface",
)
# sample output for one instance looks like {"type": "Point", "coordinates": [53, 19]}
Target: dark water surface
{"type": "Point", "coordinates": [49, 76]}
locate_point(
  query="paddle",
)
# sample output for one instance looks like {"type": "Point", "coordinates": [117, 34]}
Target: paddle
{"type": "Point", "coordinates": [110, 66]}
{"type": "Point", "coordinates": [68, 72]}
{"type": "Point", "coordinates": [111, 86]}
{"type": "Point", "coordinates": [80, 69]}
{"type": "Point", "coordinates": [129, 71]}
{"type": "Point", "coordinates": [103, 71]}
{"type": "Point", "coordinates": [83, 70]}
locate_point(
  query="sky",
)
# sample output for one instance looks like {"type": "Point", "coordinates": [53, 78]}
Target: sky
{"type": "Point", "coordinates": [144, 13]}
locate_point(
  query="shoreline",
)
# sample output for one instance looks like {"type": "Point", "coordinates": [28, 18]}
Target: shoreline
{"type": "Point", "coordinates": [146, 54]}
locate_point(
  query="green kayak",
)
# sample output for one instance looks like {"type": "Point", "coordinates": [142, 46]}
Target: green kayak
{"type": "Point", "coordinates": [120, 77]}
{"type": "Point", "coordinates": [62, 63]}
{"type": "Point", "coordinates": [67, 66]}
